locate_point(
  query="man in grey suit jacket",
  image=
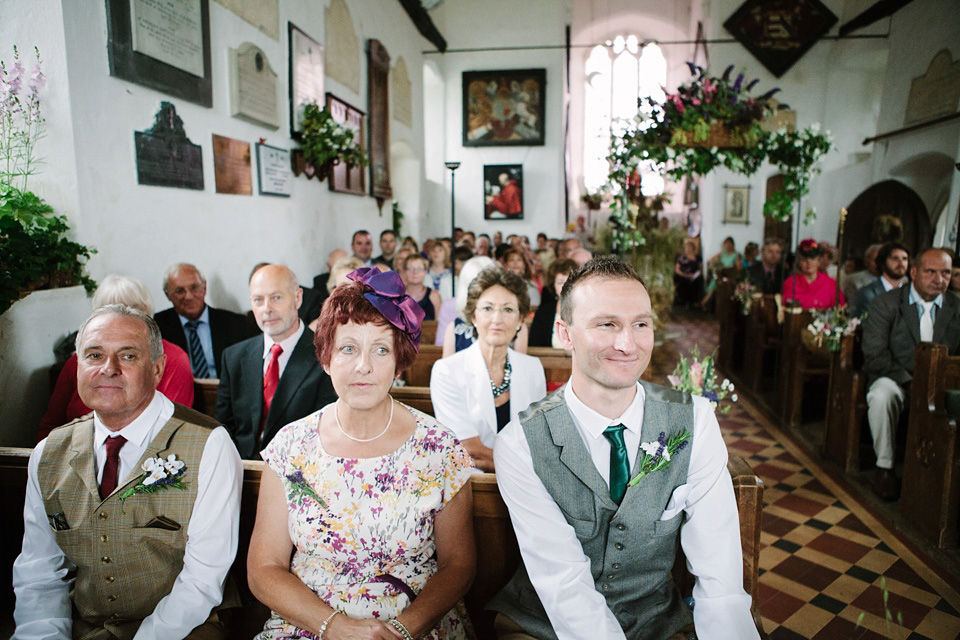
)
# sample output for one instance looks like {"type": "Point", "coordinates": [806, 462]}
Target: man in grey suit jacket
{"type": "Point", "coordinates": [598, 547]}
{"type": "Point", "coordinates": [896, 321]}
{"type": "Point", "coordinates": [893, 260]}
{"type": "Point", "coordinates": [271, 380]}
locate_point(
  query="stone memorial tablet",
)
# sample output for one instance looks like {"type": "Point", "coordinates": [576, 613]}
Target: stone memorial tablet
{"type": "Point", "coordinates": [231, 166]}
{"type": "Point", "coordinates": [253, 86]}
{"type": "Point", "coordinates": [165, 156]}
{"type": "Point", "coordinates": [273, 171]}
{"type": "Point", "coordinates": [169, 31]}
{"type": "Point", "coordinates": [936, 93]}
{"type": "Point", "coordinates": [263, 14]}
{"type": "Point", "coordinates": [306, 75]}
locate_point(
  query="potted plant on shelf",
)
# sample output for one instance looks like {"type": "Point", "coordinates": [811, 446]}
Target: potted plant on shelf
{"type": "Point", "coordinates": [593, 200]}
{"type": "Point", "coordinates": [325, 142]}
{"type": "Point", "coordinates": [35, 252]}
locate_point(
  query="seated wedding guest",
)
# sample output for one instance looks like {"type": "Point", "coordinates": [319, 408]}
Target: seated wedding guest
{"type": "Point", "coordinates": [497, 238]}
{"type": "Point", "coordinates": [411, 244]}
{"type": "Point", "coordinates": [320, 281]}
{"type": "Point", "coordinates": [750, 253]}
{"type": "Point", "coordinates": [483, 245]}
{"type": "Point", "coordinates": [362, 246]}
{"type": "Point", "coordinates": [955, 281]}
{"type": "Point", "coordinates": [766, 274]}
{"type": "Point", "coordinates": [545, 319]}
{"type": "Point", "coordinates": [388, 248]}
{"type": "Point", "coordinates": [271, 379]}
{"type": "Point", "coordinates": [468, 240]}
{"type": "Point", "coordinates": [439, 273]}
{"type": "Point", "coordinates": [340, 270]}
{"type": "Point", "coordinates": [460, 256]}
{"type": "Point", "coordinates": [452, 328]}
{"type": "Point", "coordinates": [193, 325]}
{"type": "Point", "coordinates": [727, 258]}
{"type": "Point", "coordinates": [598, 553]}
{"type": "Point", "coordinates": [415, 270]}
{"type": "Point", "coordinates": [399, 259]}
{"type": "Point", "coordinates": [812, 288]}
{"type": "Point", "coordinates": [893, 259]}
{"type": "Point", "coordinates": [865, 276]}
{"type": "Point", "coordinates": [370, 497]}
{"type": "Point", "coordinates": [581, 256]}
{"type": "Point", "coordinates": [177, 380]}
{"type": "Point", "coordinates": [515, 261]}
{"type": "Point", "coordinates": [896, 321]}
{"type": "Point", "coordinates": [118, 543]}
{"type": "Point", "coordinates": [477, 391]}
{"type": "Point", "coordinates": [828, 259]}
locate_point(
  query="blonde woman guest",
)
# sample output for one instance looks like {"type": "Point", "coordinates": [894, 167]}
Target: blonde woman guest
{"type": "Point", "coordinates": [176, 383]}
{"type": "Point", "coordinates": [480, 389]}
{"type": "Point", "coordinates": [440, 275]}
{"type": "Point", "coordinates": [415, 268]}
{"type": "Point", "coordinates": [340, 270]}
{"type": "Point", "coordinates": [364, 526]}
{"type": "Point", "coordinates": [451, 310]}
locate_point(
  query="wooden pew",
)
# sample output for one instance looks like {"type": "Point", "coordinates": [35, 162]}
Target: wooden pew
{"type": "Point", "coordinates": [556, 364]}
{"type": "Point", "coordinates": [797, 367]}
{"type": "Point", "coordinates": [761, 340]}
{"type": "Point", "coordinates": [205, 395]}
{"type": "Point", "coordinates": [846, 405]}
{"type": "Point", "coordinates": [497, 553]}
{"type": "Point", "coordinates": [418, 375]}
{"type": "Point", "coordinates": [733, 325]}
{"type": "Point", "coordinates": [930, 496]}
{"type": "Point", "coordinates": [428, 331]}
{"type": "Point", "coordinates": [416, 397]}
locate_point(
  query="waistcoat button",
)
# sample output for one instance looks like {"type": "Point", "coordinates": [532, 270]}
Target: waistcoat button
{"type": "Point", "coordinates": [616, 565]}
{"type": "Point", "coordinates": [610, 577]}
{"type": "Point", "coordinates": [105, 559]}
{"type": "Point", "coordinates": [103, 516]}
{"type": "Point", "coordinates": [618, 547]}
{"type": "Point", "coordinates": [109, 578]}
{"type": "Point", "coordinates": [104, 538]}
{"type": "Point", "coordinates": [111, 598]}
{"type": "Point", "coordinates": [606, 587]}
{"type": "Point", "coordinates": [621, 527]}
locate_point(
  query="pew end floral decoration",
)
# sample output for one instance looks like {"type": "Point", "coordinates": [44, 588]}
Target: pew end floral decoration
{"type": "Point", "coordinates": [829, 326]}
{"type": "Point", "coordinates": [744, 295]}
{"type": "Point", "coordinates": [159, 474]}
{"type": "Point", "coordinates": [698, 376]}
{"type": "Point", "coordinates": [657, 454]}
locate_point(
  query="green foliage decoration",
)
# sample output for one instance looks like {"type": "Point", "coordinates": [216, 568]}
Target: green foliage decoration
{"type": "Point", "coordinates": [325, 141]}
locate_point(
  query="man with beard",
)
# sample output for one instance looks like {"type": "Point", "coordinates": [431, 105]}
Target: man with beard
{"type": "Point", "coordinates": [893, 259]}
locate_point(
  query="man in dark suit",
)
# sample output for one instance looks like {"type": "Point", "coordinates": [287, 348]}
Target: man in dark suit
{"type": "Point", "coordinates": [388, 248]}
{"type": "Point", "coordinates": [271, 380]}
{"type": "Point", "coordinates": [893, 260]}
{"type": "Point", "coordinates": [194, 326]}
{"type": "Point", "coordinates": [896, 321]}
{"type": "Point", "coordinates": [766, 274]}
{"type": "Point", "coordinates": [320, 281]}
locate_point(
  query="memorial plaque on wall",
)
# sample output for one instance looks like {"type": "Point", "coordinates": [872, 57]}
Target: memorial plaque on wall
{"type": "Point", "coordinates": [275, 178]}
{"type": "Point", "coordinates": [162, 44]}
{"type": "Point", "coordinates": [306, 75]}
{"type": "Point", "coordinates": [231, 166]}
{"type": "Point", "coordinates": [936, 93]}
{"type": "Point", "coordinates": [165, 156]}
{"type": "Point", "coordinates": [263, 14]}
{"type": "Point", "coordinates": [345, 178]}
{"type": "Point", "coordinates": [378, 88]}
{"type": "Point", "coordinates": [779, 32]}
{"type": "Point", "coordinates": [253, 86]}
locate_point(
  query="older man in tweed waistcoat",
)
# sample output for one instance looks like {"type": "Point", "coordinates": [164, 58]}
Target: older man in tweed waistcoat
{"type": "Point", "coordinates": [132, 511]}
{"type": "Point", "coordinates": [596, 551]}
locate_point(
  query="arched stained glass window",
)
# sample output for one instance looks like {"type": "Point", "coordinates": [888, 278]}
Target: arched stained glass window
{"type": "Point", "coordinates": [617, 77]}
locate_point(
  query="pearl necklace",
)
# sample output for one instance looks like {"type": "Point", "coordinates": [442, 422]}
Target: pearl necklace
{"type": "Point", "coordinates": [505, 385]}
{"type": "Point", "coordinates": [336, 416]}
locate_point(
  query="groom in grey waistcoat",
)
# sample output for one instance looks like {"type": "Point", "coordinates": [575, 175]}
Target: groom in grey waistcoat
{"type": "Point", "coordinates": [605, 476]}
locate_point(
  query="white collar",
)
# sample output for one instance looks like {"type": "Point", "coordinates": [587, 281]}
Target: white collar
{"type": "Point", "coordinates": [286, 344]}
{"type": "Point", "coordinates": [916, 299]}
{"type": "Point", "coordinates": [594, 423]}
{"type": "Point", "coordinates": [137, 431]}
{"type": "Point", "coordinates": [204, 317]}
{"type": "Point", "coordinates": [887, 286]}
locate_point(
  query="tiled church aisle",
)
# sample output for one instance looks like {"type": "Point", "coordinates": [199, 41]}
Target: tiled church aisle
{"type": "Point", "coordinates": [825, 559]}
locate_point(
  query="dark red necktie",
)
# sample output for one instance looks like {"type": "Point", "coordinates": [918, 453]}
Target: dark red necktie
{"type": "Point", "coordinates": [111, 468]}
{"type": "Point", "coordinates": [271, 379]}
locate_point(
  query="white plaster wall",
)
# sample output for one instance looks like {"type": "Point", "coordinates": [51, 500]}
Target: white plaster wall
{"type": "Point", "coordinates": [140, 230]}
{"type": "Point", "coordinates": [494, 23]}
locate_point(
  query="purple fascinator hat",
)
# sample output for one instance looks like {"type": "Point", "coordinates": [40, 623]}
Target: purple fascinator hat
{"type": "Point", "coordinates": [388, 296]}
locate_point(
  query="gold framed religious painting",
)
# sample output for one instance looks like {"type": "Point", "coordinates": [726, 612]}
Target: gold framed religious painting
{"type": "Point", "coordinates": [503, 108]}
{"type": "Point", "coordinates": [503, 192]}
{"type": "Point", "coordinates": [736, 205]}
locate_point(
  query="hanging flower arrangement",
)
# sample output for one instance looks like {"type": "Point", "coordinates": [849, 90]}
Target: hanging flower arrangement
{"type": "Point", "coordinates": [796, 154]}
{"type": "Point", "coordinates": [325, 142]}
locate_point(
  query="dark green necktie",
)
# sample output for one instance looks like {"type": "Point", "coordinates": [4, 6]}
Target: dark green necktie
{"type": "Point", "coordinates": [619, 462]}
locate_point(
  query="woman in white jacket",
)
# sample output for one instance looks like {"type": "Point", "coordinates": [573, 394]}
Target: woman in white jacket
{"type": "Point", "coordinates": [477, 391]}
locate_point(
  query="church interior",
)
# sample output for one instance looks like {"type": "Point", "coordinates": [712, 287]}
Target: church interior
{"type": "Point", "coordinates": [169, 140]}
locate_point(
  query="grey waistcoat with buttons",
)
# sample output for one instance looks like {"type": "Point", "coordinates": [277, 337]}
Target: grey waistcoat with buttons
{"type": "Point", "coordinates": [631, 550]}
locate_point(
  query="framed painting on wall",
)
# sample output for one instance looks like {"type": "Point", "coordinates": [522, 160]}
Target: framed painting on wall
{"type": "Point", "coordinates": [503, 192]}
{"type": "Point", "coordinates": [736, 205]}
{"type": "Point", "coordinates": [347, 178]}
{"type": "Point", "coordinates": [306, 75]}
{"type": "Point", "coordinates": [503, 108]}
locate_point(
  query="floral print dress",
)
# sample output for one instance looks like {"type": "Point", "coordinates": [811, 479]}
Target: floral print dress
{"type": "Point", "coordinates": [353, 521]}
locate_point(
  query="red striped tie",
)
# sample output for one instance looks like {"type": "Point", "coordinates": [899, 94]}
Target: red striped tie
{"type": "Point", "coordinates": [111, 468]}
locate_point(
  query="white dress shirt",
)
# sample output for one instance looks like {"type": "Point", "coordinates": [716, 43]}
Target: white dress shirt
{"type": "Point", "coordinates": [287, 345]}
{"type": "Point", "coordinates": [554, 558]}
{"type": "Point", "coordinates": [43, 609]}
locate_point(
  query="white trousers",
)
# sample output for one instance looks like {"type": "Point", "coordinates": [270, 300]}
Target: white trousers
{"type": "Point", "coordinates": [884, 405]}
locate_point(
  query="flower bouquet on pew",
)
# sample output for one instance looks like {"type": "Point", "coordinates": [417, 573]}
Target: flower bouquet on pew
{"type": "Point", "coordinates": [698, 376]}
{"type": "Point", "coordinates": [830, 325]}
{"type": "Point", "coordinates": [744, 295]}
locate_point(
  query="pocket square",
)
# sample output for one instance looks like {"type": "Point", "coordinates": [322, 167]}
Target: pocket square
{"type": "Point", "coordinates": [162, 522]}
{"type": "Point", "coordinates": [58, 521]}
{"type": "Point", "coordinates": [678, 500]}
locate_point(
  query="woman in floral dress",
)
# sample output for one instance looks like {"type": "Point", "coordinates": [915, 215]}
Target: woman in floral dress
{"type": "Point", "coordinates": [371, 498]}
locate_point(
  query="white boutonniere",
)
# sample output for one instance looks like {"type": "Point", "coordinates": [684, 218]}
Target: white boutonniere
{"type": "Point", "coordinates": [657, 454]}
{"type": "Point", "coordinates": [159, 475]}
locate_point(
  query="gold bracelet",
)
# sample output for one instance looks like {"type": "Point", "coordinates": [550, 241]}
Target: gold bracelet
{"type": "Point", "coordinates": [326, 622]}
{"type": "Point", "coordinates": [396, 624]}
